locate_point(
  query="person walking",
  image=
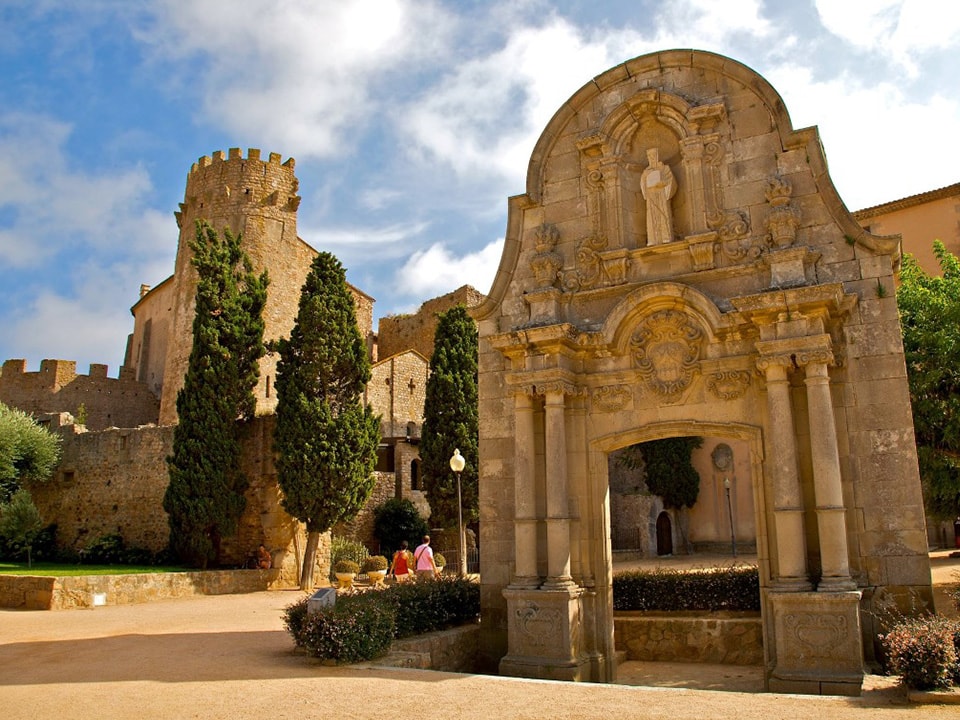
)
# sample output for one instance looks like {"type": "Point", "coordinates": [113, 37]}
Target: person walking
{"type": "Point", "coordinates": [400, 567]}
{"type": "Point", "coordinates": [423, 561]}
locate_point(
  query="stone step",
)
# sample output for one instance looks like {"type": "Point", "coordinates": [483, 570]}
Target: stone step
{"type": "Point", "coordinates": [419, 661]}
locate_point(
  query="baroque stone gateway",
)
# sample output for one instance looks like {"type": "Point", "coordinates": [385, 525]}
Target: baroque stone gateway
{"type": "Point", "coordinates": [681, 265]}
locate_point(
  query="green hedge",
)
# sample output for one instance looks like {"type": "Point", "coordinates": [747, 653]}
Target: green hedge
{"type": "Point", "coordinates": [361, 626]}
{"type": "Point", "coordinates": [733, 588]}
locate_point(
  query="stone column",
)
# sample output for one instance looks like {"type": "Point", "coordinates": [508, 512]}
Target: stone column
{"type": "Point", "coordinates": [558, 512]}
{"type": "Point", "coordinates": [828, 490]}
{"type": "Point", "coordinates": [524, 493]}
{"type": "Point", "coordinates": [791, 572]}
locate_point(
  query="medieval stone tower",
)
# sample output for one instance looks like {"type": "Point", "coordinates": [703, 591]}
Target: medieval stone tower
{"type": "Point", "coordinates": [254, 197]}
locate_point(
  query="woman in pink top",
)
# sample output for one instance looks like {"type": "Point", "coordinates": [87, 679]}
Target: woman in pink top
{"type": "Point", "coordinates": [423, 561]}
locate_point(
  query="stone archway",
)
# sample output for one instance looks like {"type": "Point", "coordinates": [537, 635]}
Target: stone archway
{"type": "Point", "coordinates": [747, 308]}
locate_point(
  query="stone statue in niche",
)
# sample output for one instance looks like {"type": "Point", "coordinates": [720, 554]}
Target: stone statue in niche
{"type": "Point", "coordinates": [658, 185]}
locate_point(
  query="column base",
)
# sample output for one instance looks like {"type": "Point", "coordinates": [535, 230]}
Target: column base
{"type": "Point", "coordinates": [526, 582]}
{"type": "Point", "coordinates": [544, 635]}
{"type": "Point", "coordinates": [817, 647]}
{"type": "Point", "coordinates": [790, 584]}
{"type": "Point", "coordinates": [836, 584]}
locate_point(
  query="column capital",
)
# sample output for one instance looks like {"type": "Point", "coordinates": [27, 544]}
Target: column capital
{"type": "Point", "coordinates": [768, 364]}
{"type": "Point", "coordinates": [810, 358]}
{"type": "Point", "coordinates": [560, 387]}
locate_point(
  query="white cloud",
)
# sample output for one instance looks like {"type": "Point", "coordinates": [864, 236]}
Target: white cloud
{"type": "Point", "coordinates": [484, 118]}
{"type": "Point", "coordinates": [900, 29]}
{"type": "Point", "coordinates": [437, 270]}
{"type": "Point", "coordinates": [300, 76]}
{"type": "Point", "coordinates": [53, 206]}
{"type": "Point", "coordinates": [878, 142]}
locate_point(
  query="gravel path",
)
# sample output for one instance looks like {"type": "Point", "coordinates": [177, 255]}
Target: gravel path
{"type": "Point", "coordinates": [229, 657]}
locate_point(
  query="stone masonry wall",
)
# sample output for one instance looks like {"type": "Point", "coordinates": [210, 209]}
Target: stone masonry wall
{"type": "Point", "coordinates": [109, 402]}
{"type": "Point", "coordinates": [397, 391]}
{"type": "Point", "coordinates": [399, 333]}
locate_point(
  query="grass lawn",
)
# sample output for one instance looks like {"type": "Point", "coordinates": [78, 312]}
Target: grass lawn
{"type": "Point", "coordinates": [64, 570]}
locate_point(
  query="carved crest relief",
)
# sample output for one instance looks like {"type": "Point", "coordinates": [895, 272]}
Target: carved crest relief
{"type": "Point", "coordinates": [539, 626]}
{"type": "Point", "coordinates": [666, 350]}
{"type": "Point", "coordinates": [728, 384]}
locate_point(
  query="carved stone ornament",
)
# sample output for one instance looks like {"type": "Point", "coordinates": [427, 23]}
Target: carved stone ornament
{"type": "Point", "coordinates": [539, 626]}
{"type": "Point", "coordinates": [822, 636]}
{"type": "Point", "coordinates": [611, 398]}
{"type": "Point", "coordinates": [666, 350]}
{"type": "Point", "coordinates": [546, 263]}
{"type": "Point", "coordinates": [728, 384]}
{"type": "Point", "coordinates": [783, 219]}
{"type": "Point", "coordinates": [722, 457]}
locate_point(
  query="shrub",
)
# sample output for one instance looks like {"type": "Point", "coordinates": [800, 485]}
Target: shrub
{"type": "Point", "coordinates": [395, 521]}
{"type": "Point", "coordinates": [440, 560]}
{"type": "Point", "coordinates": [342, 548]}
{"type": "Point", "coordinates": [346, 566]}
{"type": "Point", "coordinates": [731, 588]}
{"type": "Point", "coordinates": [374, 563]}
{"type": "Point", "coordinates": [922, 651]}
{"type": "Point", "coordinates": [112, 550]}
{"type": "Point", "coordinates": [362, 626]}
{"type": "Point", "coordinates": [348, 632]}
{"type": "Point", "coordinates": [293, 618]}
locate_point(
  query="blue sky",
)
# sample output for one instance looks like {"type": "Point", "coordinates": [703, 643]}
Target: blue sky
{"type": "Point", "coordinates": [411, 123]}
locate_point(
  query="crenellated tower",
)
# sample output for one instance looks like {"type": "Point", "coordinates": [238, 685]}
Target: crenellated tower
{"type": "Point", "coordinates": [258, 199]}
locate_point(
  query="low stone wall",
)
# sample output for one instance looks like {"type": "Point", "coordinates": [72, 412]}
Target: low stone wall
{"type": "Point", "coordinates": [720, 638]}
{"type": "Point", "coordinates": [453, 650]}
{"type": "Point", "coordinates": [34, 592]}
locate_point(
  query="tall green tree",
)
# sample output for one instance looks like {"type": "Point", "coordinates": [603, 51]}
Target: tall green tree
{"type": "Point", "coordinates": [325, 439]}
{"type": "Point", "coordinates": [28, 451]}
{"type": "Point", "coordinates": [451, 419]}
{"type": "Point", "coordinates": [930, 320]}
{"type": "Point", "coordinates": [668, 469]}
{"type": "Point", "coordinates": [205, 497]}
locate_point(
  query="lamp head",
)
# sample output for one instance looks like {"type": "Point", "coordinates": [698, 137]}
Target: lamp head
{"type": "Point", "coordinates": [457, 461]}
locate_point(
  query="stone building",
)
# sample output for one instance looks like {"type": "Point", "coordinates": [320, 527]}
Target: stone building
{"type": "Point", "coordinates": [919, 220]}
{"type": "Point", "coordinates": [113, 474]}
{"type": "Point", "coordinates": [680, 264]}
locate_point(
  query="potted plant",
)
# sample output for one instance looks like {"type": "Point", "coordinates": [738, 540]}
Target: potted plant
{"type": "Point", "coordinates": [440, 561]}
{"type": "Point", "coordinates": [375, 566]}
{"type": "Point", "coordinates": [346, 571]}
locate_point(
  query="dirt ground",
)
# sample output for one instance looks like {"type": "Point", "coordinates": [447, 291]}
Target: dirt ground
{"type": "Point", "coordinates": [229, 657]}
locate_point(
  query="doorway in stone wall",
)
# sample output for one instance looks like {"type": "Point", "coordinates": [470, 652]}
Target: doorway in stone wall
{"type": "Point", "coordinates": [664, 534]}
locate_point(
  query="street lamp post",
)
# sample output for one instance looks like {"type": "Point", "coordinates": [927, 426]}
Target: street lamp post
{"type": "Point", "coordinates": [733, 533]}
{"type": "Point", "coordinates": [457, 463]}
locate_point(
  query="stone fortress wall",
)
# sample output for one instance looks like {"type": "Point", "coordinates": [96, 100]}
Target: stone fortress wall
{"type": "Point", "coordinates": [56, 387]}
{"type": "Point", "coordinates": [398, 333]}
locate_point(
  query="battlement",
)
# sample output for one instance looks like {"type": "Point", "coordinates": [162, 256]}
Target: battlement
{"type": "Point", "coordinates": [56, 387]}
{"type": "Point", "coordinates": [222, 183]}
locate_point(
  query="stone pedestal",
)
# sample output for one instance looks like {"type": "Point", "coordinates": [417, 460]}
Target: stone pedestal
{"type": "Point", "coordinates": [544, 635]}
{"type": "Point", "coordinates": [818, 648]}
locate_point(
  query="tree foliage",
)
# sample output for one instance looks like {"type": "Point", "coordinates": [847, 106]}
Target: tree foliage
{"type": "Point", "coordinates": [930, 320]}
{"type": "Point", "coordinates": [28, 452]}
{"type": "Point", "coordinates": [395, 521]}
{"type": "Point", "coordinates": [669, 471]}
{"type": "Point", "coordinates": [326, 439]}
{"type": "Point", "coordinates": [205, 497]}
{"type": "Point", "coordinates": [20, 521]}
{"type": "Point", "coordinates": [451, 419]}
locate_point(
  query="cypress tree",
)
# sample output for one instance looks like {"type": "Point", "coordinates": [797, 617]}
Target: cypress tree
{"type": "Point", "coordinates": [205, 497]}
{"type": "Point", "coordinates": [451, 419]}
{"type": "Point", "coordinates": [326, 439]}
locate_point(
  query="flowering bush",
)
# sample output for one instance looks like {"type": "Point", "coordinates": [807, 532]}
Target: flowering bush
{"type": "Point", "coordinates": [361, 626]}
{"type": "Point", "coordinates": [348, 632]}
{"type": "Point", "coordinates": [923, 651]}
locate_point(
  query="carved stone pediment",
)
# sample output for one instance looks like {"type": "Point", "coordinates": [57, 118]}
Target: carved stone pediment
{"type": "Point", "coordinates": [666, 350]}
